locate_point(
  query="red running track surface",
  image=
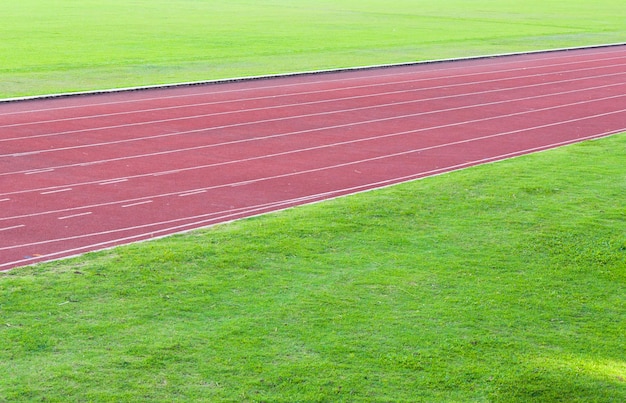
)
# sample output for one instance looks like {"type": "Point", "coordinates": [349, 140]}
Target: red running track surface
{"type": "Point", "coordinates": [90, 172]}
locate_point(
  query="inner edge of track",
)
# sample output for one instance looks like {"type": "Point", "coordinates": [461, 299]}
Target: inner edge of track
{"type": "Point", "coordinates": [299, 73]}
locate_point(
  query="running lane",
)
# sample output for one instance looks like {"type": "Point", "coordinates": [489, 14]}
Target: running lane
{"type": "Point", "coordinates": [89, 172]}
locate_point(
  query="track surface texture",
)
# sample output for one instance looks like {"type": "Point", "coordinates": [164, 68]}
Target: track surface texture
{"type": "Point", "coordinates": [90, 172]}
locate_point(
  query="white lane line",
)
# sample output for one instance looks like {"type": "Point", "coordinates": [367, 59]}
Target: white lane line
{"type": "Point", "coordinates": [74, 215]}
{"type": "Point", "coordinates": [192, 193]}
{"type": "Point", "coordinates": [261, 208]}
{"type": "Point", "coordinates": [23, 154]}
{"type": "Point", "coordinates": [168, 120]}
{"type": "Point", "coordinates": [379, 157]}
{"type": "Point", "coordinates": [136, 204]}
{"type": "Point", "coordinates": [501, 62]}
{"type": "Point", "coordinates": [88, 163]}
{"type": "Point", "coordinates": [367, 122]}
{"type": "Point", "coordinates": [4, 200]}
{"type": "Point", "coordinates": [113, 181]}
{"type": "Point", "coordinates": [173, 171]}
{"type": "Point", "coordinates": [56, 191]}
{"type": "Point", "coordinates": [13, 227]}
{"type": "Point", "coordinates": [39, 171]}
{"type": "Point", "coordinates": [244, 183]}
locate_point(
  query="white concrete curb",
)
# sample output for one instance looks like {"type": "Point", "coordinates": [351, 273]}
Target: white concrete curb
{"type": "Point", "coordinates": [301, 73]}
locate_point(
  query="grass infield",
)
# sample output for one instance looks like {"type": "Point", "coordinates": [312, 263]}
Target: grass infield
{"type": "Point", "coordinates": [50, 46]}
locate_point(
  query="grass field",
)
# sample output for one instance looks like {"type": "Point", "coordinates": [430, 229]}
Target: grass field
{"type": "Point", "coordinates": [500, 283]}
{"type": "Point", "coordinates": [50, 46]}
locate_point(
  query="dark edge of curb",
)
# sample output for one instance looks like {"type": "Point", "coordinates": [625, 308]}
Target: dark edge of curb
{"type": "Point", "coordinates": [294, 74]}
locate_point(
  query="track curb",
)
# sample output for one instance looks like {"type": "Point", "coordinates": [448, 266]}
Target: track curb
{"type": "Point", "coordinates": [293, 74]}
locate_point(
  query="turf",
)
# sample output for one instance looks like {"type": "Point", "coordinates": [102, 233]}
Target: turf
{"type": "Point", "coordinates": [50, 46]}
{"type": "Point", "coordinates": [503, 283]}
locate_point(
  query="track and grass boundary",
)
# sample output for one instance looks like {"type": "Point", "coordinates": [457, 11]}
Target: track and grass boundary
{"type": "Point", "coordinates": [294, 74]}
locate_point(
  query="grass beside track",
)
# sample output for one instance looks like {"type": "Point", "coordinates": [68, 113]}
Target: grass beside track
{"type": "Point", "coordinates": [503, 282]}
{"type": "Point", "coordinates": [51, 46]}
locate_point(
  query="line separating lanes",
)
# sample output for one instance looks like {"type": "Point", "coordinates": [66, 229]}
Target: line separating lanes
{"type": "Point", "coordinates": [192, 193]}
{"type": "Point", "coordinates": [75, 215]}
{"type": "Point", "coordinates": [38, 171]}
{"type": "Point", "coordinates": [56, 191]}
{"type": "Point", "coordinates": [13, 227]}
{"type": "Point", "coordinates": [113, 181]}
{"type": "Point", "coordinates": [137, 204]}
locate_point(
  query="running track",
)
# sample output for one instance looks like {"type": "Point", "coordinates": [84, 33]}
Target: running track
{"type": "Point", "coordinates": [90, 172]}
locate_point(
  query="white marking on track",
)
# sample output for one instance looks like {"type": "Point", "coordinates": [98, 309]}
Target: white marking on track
{"type": "Point", "coordinates": [24, 154]}
{"type": "Point", "coordinates": [244, 183]}
{"type": "Point", "coordinates": [74, 215]}
{"type": "Point", "coordinates": [173, 171]}
{"type": "Point", "coordinates": [87, 164]}
{"type": "Point", "coordinates": [39, 171]}
{"type": "Point", "coordinates": [13, 227]}
{"type": "Point", "coordinates": [136, 204]}
{"type": "Point", "coordinates": [197, 192]}
{"type": "Point", "coordinates": [56, 191]}
{"type": "Point", "coordinates": [113, 182]}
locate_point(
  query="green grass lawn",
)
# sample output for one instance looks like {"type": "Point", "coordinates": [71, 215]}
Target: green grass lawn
{"type": "Point", "coordinates": [57, 46]}
{"type": "Point", "coordinates": [503, 282]}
